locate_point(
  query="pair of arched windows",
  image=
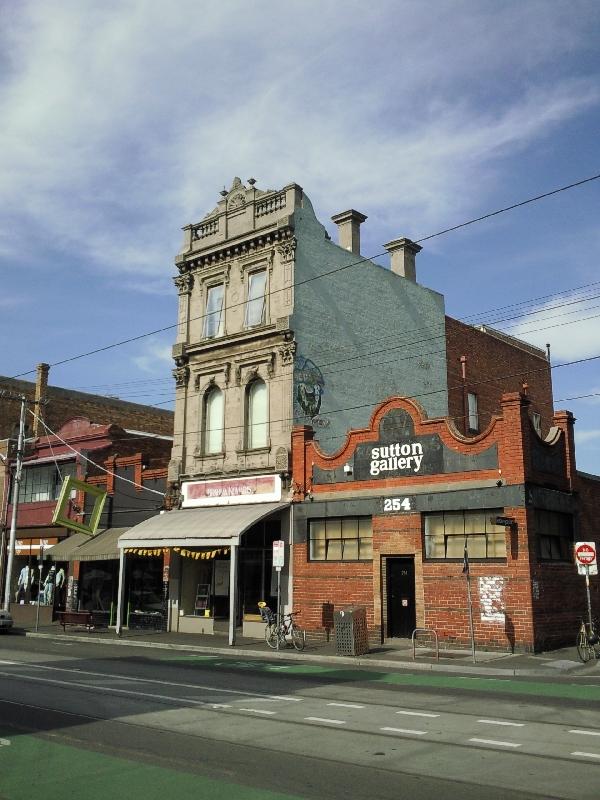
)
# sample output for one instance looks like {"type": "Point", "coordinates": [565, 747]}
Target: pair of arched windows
{"type": "Point", "coordinates": [256, 417]}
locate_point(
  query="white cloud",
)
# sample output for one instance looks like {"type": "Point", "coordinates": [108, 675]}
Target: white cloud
{"type": "Point", "coordinates": [154, 358]}
{"type": "Point", "coordinates": [570, 325]}
{"type": "Point", "coordinates": [583, 437]}
{"type": "Point", "coordinates": [121, 121]}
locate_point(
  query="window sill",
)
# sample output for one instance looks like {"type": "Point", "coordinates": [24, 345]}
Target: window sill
{"type": "Point", "coordinates": [254, 451]}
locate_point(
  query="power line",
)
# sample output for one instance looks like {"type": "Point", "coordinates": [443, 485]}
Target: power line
{"type": "Point", "coordinates": [322, 275]}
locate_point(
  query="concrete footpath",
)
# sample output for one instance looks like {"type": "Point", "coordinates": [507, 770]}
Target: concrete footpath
{"type": "Point", "coordinates": [399, 655]}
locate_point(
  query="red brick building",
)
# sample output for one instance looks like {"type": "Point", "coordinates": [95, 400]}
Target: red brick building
{"type": "Point", "coordinates": [101, 455]}
{"type": "Point", "coordinates": [383, 523]}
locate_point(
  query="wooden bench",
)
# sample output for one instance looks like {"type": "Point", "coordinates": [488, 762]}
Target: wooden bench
{"type": "Point", "coordinates": [76, 618]}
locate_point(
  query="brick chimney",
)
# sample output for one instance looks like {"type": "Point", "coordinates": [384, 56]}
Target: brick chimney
{"type": "Point", "coordinates": [402, 257]}
{"type": "Point", "coordinates": [41, 385]}
{"type": "Point", "coordinates": [349, 223]}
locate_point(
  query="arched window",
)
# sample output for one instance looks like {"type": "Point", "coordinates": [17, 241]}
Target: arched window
{"type": "Point", "coordinates": [257, 415]}
{"type": "Point", "coordinates": [213, 421]}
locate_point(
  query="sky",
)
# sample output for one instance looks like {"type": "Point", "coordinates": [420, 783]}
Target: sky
{"type": "Point", "coordinates": [122, 120]}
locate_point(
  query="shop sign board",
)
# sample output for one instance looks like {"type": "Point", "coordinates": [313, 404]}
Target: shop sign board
{"type": "Point", "coordinates": [231, 491]}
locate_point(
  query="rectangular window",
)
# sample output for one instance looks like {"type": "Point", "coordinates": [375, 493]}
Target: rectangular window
{"type": "Point", "coordinates": [536, 418]}
{"type": "Point", "coordinates": [213, 321]}
{"type": "Point", "coordinates": [255, 304]}
{"type": "Point", "coordinates": [43, 483]}
{"type": "Point", "coordinates": [473, 419]}
{"type": "Point", "coordinates": [340, 539]}
{"type": "Point", "coordinates": [447, 531]}
{"type": "Point", "coordinates": [554, 535]}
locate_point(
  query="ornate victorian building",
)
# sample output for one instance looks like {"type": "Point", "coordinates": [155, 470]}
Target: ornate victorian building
{"type": "Point", "coordinates": [280, 326]}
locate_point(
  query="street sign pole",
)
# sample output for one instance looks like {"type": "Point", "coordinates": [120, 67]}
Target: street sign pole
{"type": "Point", "coordinates": [278, 563]}
{"type": "Point", "coordinates": [587, 590]}
{"type": "Point", "coordinates": [278, 602]}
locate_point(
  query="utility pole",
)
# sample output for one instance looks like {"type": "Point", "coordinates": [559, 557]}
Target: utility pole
{"type": "Point", "coordinates": [15, 495]}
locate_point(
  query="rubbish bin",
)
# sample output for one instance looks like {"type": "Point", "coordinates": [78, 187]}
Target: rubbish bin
{"type": "Point", "coordinates": [351, 636]}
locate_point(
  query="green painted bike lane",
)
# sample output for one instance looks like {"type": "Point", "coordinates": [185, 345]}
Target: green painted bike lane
{"type": "Point", "coordinates": [474, 683]}
{"type": "Point", "coordinates": [31, 764]}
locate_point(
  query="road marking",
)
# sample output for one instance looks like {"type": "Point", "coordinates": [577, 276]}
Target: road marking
{"type": "Point", "coordinates": [586, 733]}
{"type": "Point", "coordinates": [219, 705]}
{"type": "Point", "coordinates": [346, 705]}
{"type": "Point", "coordinates": [258, 711]}
{"type": "Point", "coordinates": [404, 730]}
{"type": "Point", "coordinates": [323, 719]}
{"type": "Point", "coordinates": [586, 755]}
{"type": "Point", "coordinates": [495, 742]}
{"type": "Point", "coordinates": [502, 722]}
{"type": "Point", "coordinates": [285, 697]}
{"type": "Point", "coordinates": [417, 713]}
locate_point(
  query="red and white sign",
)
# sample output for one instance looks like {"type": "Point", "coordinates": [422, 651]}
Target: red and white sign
{"type": "Point", "coordinates": [585, 553]}
{"type": "Point", "coordinates": [278, 554]}
{"type": "Point", "coordinates": [232, 491]}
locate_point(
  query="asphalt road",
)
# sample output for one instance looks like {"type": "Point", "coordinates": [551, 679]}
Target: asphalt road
{"type": "Point", "coordinates": [85, 720]}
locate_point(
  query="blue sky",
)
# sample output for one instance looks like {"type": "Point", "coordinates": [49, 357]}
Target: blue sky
{"type": "Point", "coordinates": [123, 120]}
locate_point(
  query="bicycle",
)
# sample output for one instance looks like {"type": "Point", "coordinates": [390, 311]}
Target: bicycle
{"type": "Point", "coordinates": [282, 633]}
{"type": "Point", "coordinates": [588, 641]}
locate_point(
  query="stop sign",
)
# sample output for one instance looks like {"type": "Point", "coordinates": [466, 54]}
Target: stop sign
{"type": "Point", "coordinates": [585, 552]}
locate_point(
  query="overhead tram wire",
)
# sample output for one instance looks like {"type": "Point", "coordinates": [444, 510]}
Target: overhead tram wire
{"type": "Point", "coordinates": [533, 312]}
{"type": "Point", "coordinates": [327, 273]}
{"type": "Point", "coordinates": [418, 354]}
{"type": "Point", "coordinates": [522, 373]}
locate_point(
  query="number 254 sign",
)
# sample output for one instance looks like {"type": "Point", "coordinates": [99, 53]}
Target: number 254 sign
{"type": "Point", "coordinates": [398, 505]}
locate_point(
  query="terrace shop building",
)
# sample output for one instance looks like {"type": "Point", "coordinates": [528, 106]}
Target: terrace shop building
{"type": "Point", "coordinates": [383, 524]}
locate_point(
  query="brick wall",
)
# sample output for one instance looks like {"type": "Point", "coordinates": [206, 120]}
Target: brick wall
{"type": "Point", "coordinates": [494, 366]}
{"type": "Point", "coordinates": [64, 404]}
{"type": "Point", "coordinates": [519, 603]}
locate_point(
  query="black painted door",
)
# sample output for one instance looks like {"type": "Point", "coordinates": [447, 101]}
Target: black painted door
{"type": "Point", "coordinates": [401, 613]}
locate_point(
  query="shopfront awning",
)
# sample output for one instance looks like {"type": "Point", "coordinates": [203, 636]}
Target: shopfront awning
{"type": "Point", "coordinates": [215, 526]}
{"type": "Point", "coordinates": [65, 550]}
{"type": "Point", "coordinates": [101, 547]}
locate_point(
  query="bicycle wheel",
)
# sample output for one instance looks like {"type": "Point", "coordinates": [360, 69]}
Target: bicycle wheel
{"type": "Point", "coordinates": [298, 638]}
{"type": "Point", "coordinates": [271, 635]}
{"type": "Point", "coordinates": [584, 649]}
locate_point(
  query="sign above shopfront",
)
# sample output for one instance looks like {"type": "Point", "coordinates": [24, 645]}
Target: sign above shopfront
{"type": "Point", "coordinates": [231, 491]}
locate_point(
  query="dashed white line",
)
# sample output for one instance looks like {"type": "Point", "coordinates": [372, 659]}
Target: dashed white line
{"type": "Point", "coordinates": [324, 719]}
{"type": "Point", "coordinates": [495, 742]}
{"type": "Point", "coordinates": [285, 697]}
{"type": "Point", "coordinates": [346, 705]}
{"type": "Point", "coordinates": [502, 722]}
{"type": "Point", "coordinates": [417, 713]}
{"type": "Point", "coordinates": [585, 733]}
{"type": "Point", "coordinates": [404, 730]}
{"type": "Point", "coordinates": [586, 755]}
{"type": "Point", "coordinates": [259, 711]}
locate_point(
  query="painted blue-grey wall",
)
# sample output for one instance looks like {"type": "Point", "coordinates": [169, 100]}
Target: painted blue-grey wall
{"type": "Point", "coordinates": [364, 334]}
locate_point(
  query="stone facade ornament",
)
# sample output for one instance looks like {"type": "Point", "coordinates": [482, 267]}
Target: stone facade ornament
{"type": "Point", "coordinates": [184, 282]}
{"type": "Point", "coordinates": [287, 352]}
{"type": "Point", "coordinates": [287, 250]}
{"type": "Point", "coordinates": [181, 375]}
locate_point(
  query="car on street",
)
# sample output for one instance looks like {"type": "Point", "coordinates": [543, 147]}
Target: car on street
{"type": "Point", "coordinates": [6, 621]}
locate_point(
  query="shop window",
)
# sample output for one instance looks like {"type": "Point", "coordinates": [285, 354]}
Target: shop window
{"type": "Point", "coordinates": [214, 317]}
{"type": "Point", "coordinates": [447, 531]}
{"type": "Point", "coordinates": [473, 411]}
{"type": "Point", "coordinates": [255, 303]}
{"type": "Point", "coordinates": [214, 414]}
{"type": "Point", "coordinates": [44, 483]}
{"type": "Point", "coordinates": [554, 535]}
{"type": "Point", "coordinates": [257, 415]}
{"type": "Point", "coordinates": [340, 539]}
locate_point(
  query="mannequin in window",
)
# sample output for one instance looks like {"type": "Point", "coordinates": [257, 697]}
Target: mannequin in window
{"type": "Point", "coordinates": [25, 577]}
{"type": "Point", "coordinates": [49, 584]}
{"type": "Point", "coordinates": [60, 578]}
